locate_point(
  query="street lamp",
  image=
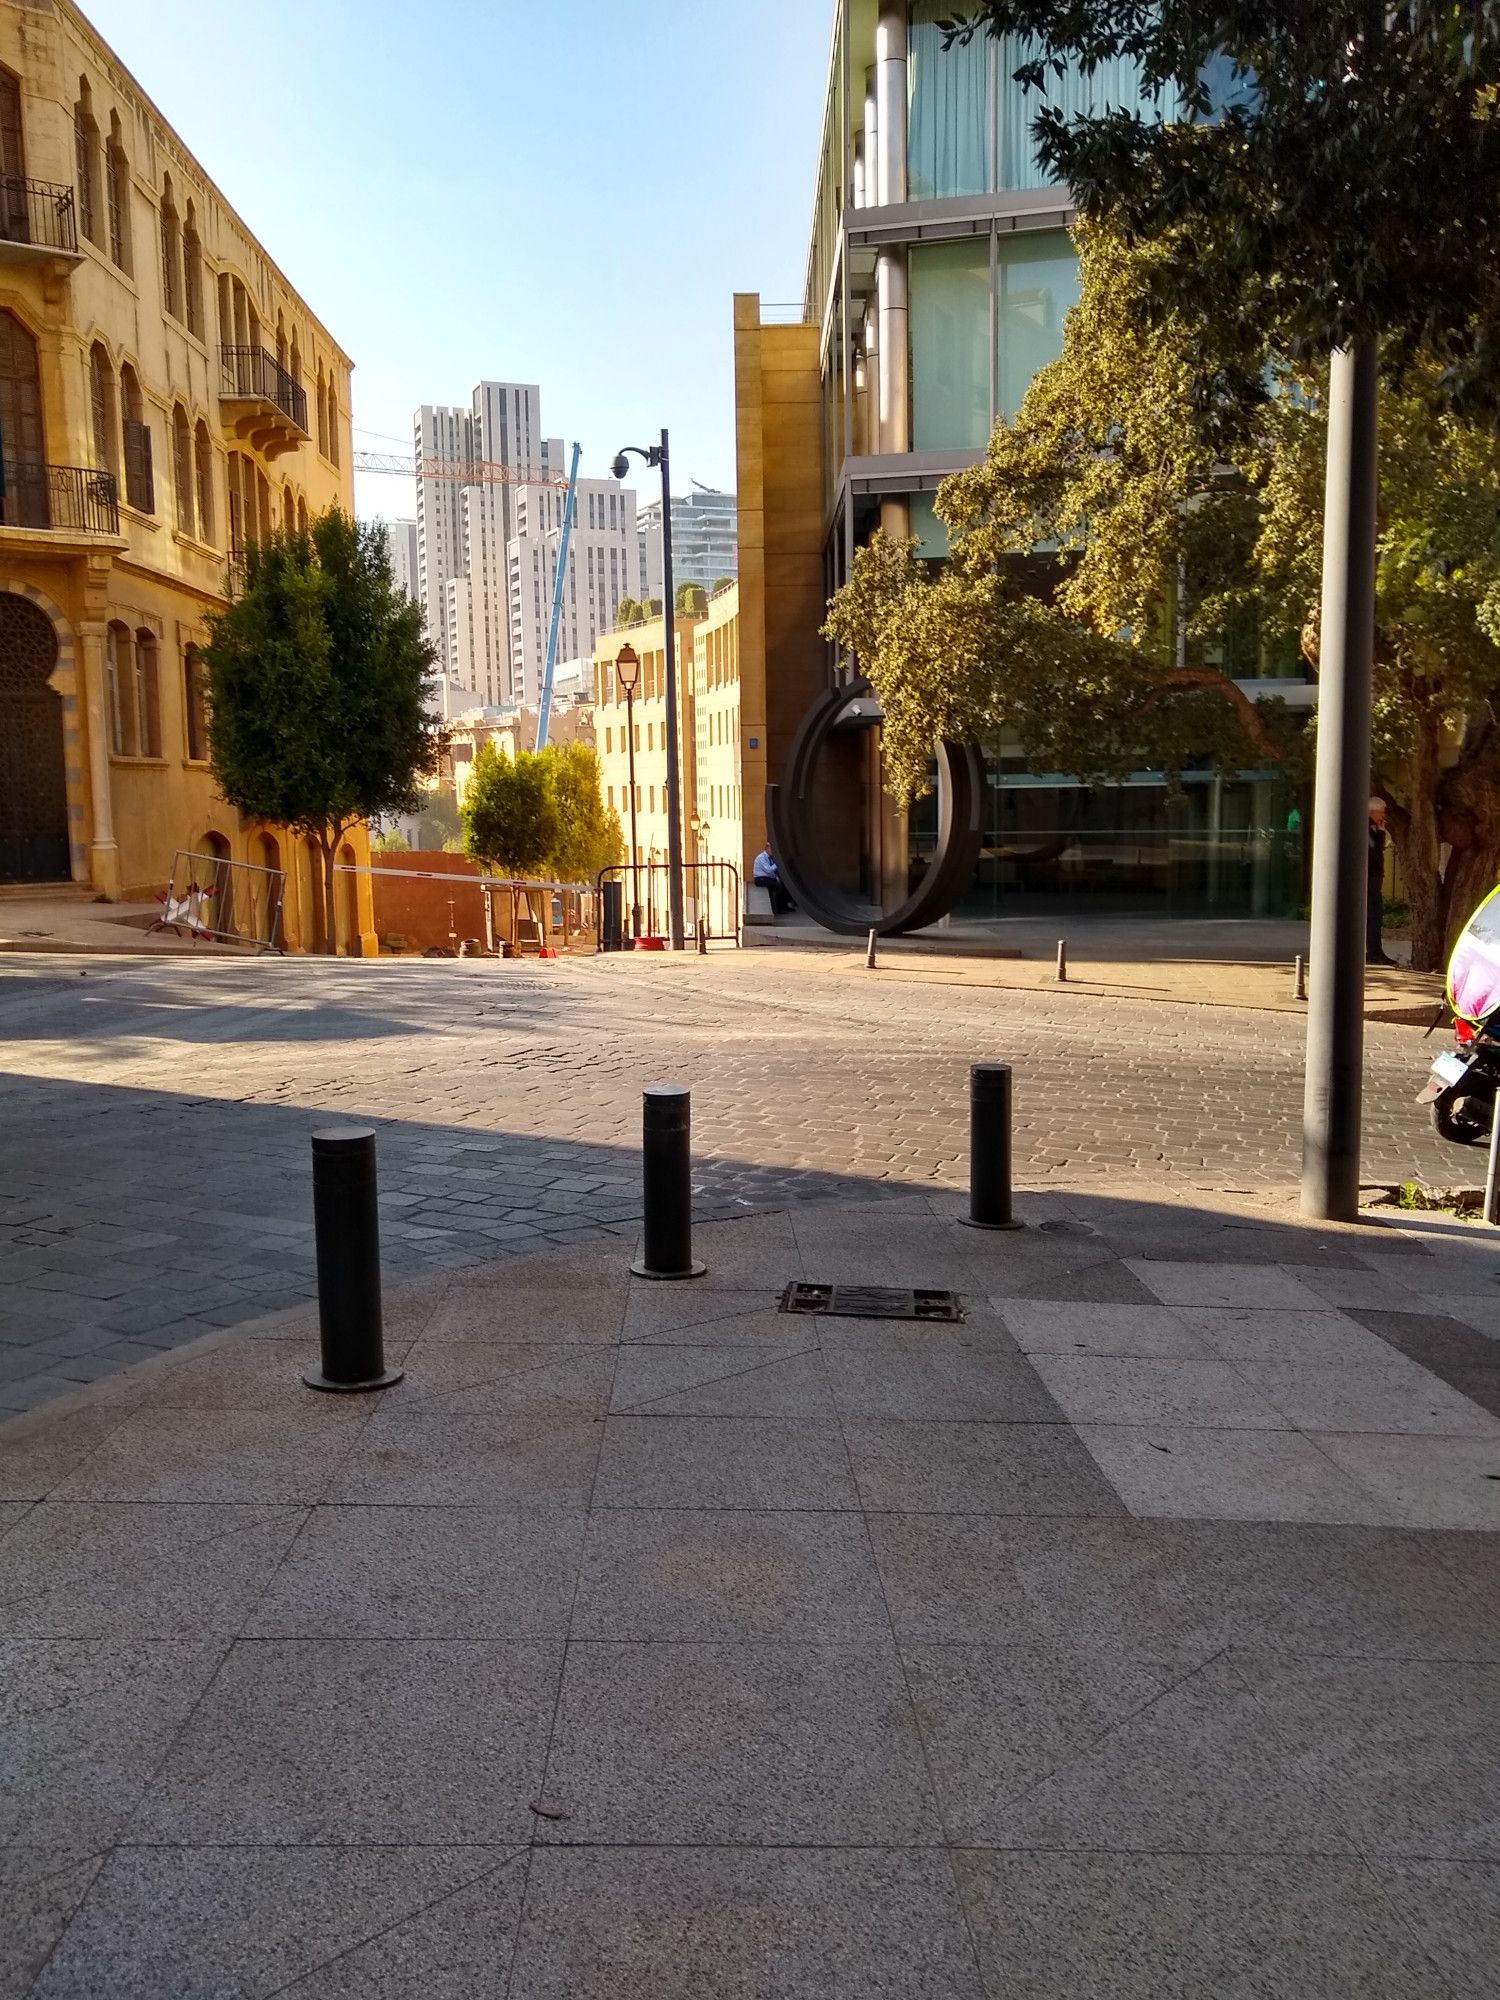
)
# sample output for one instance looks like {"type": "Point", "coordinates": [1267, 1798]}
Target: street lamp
{"type": "Point", "coordinates": [656, 455]}
{"type": "Point", "coordinates": [628, 672]}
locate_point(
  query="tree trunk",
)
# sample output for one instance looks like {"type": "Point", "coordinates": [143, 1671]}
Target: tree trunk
{"type": "Point", "coordinates": [1418, 841]}
{"type": "Point", "coordinates": [1472, 873]}
{"type": "Point", "coordinates": [328, 848]}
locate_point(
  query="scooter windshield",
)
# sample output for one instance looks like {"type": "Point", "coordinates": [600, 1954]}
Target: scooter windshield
{"type": "Point", "coordinates": [1474, 969]}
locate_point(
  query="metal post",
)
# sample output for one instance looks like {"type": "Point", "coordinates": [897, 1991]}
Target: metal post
{"type": "Point", "coordinates": [989, 1148]}
{"type": "Point", "coordinates": [635, 852]}
{"type": "Point", "coordinates": [346, 1223]}
{"type": "Point", "coordinates": [1492, 1176]}
{"type": "Point", "coordinates": [1062, 961]}
{"type": "Point", "coordinates": [870, 952]}
{"type": "Point", "coordinates": [1335, 1015]}
{"type": "Point", "coordinates": [1301, 977]}
{"type": "Point", "coordinates": [666, 1159]}
{"type": "Point", "coordinates": [669, 615]}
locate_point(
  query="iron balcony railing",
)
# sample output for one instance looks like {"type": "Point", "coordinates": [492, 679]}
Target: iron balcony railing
{"type": "Point", "coordinates": [39, 212]}
{"type": "Point", "coordinates": [74, 497]}
{"type": "Point", "coordinates": [251, 371]}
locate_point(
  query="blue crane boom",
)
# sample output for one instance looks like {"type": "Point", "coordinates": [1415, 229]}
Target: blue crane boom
{"type": "Point", "coordinates": [570, 506]}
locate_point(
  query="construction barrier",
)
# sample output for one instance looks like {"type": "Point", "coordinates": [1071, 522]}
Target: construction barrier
{"type": "Point", "coordinates": [711, 903]}
{"type": "Point", "coordinates": [223, 902]}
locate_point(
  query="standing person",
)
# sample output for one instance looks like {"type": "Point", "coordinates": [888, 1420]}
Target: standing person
{"type": "Point", "coordinates": [1375, 951]}
{"type": "Point", "coordinates": [766, 875]}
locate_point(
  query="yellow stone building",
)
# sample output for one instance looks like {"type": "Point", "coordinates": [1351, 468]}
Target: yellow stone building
{"type": "Point", "coordinates": [165, 397]}
{"type": "Point", "coordinates": [648, 642]}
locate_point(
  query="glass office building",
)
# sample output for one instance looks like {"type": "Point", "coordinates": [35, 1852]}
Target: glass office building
{"type": "Point", "coordinates": [940, 273]}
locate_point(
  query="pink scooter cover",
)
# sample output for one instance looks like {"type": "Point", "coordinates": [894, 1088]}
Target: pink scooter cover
{"type": "Point", "coordinates": [1474, 969]}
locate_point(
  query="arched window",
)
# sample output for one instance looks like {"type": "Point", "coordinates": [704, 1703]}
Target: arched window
{"type": "Point", "coordinates": [322, 413]}
{"type": "Point", "coordinates": [262, 505]}
{"type": "Point", "coordinates": [140, 480]}
{"type": "Point", "coordinates": [117, 194]}
{"type": "Point", "coordinates": [238, 532]}
{"type": "Point", "coordinates": [102, 403]}
{"type": "Point", "coordinates": [288, 511]}
{"type": "Point", "coordinates": [182, 467]}
{"type": "Point", "coordinates": [294, 360]}
{"type": "Point", "coordinates": [203, 464]}
{"type": "Point", "coordinates": [25, 499]}
{"type": "Point", "coordinates": [119, 690]}
{"type": "Point", "coordinates": [301, 514]}
{"type": "Point", "coordinates": [147, 700]}
{"type": "Point", "coordinates": [86, 160]}
{"type": "Point", "coordinates": [195, 703]}
{"type": "Point", "coordinates": [171, 252]}
{"type": "Point", "coordinates": [280, 342]}
{"type": "Point", "coordinates": [192, 274]}
{"type": "Point", "coordinates": [333, 421]}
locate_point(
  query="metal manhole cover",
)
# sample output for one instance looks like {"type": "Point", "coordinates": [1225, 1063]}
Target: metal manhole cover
{"type": "Point", "coordinates": [1065, 1228]}
{"type": "Point", "coordinates": [871, 1302]}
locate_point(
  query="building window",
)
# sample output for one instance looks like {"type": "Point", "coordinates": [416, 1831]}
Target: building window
{"type": "Point", "coordinates": [322, 413]}
{"type": "Point", "coordinates": [301, 514]}
{"type": "Point", "coordinates": [147, 703]}
{"type": "Point", "coordinates": [333, 422]}
{"type": "Point", "coordinates": [182, 468]}
{"type": "Point", "coordinates": [117, 195]}
{"type": "Point", "coordinates": [192, 274]}
{"type": "Point", "coordinates": [1037, 285]}
{"type": "Point", "coordinates": [950, 338]}
{"type": "Point", "coordinates": [203, 466]}
{"type": "Point", "coordinates": [195, 703]}
{"type": "Point", "coordinates": [102, 406]}
{"type": "Point", "coordinates": [86, 157]}
{"type": "Point", "coordinates": [140, 482]}
{"type": "Point", "coordinates": [171, 253]}
{"type": "Point", "coordinates": [119, 691]}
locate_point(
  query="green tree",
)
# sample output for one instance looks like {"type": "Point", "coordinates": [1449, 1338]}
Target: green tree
{"type": "Point", "coordinates": [588, 836]}
{"type": "Point", "coordinates": [1118, 458]}
{"type": "Point", "coordinates": [509, 812]}
{"type": "Point", "coordinates": [317, 679]}
{"type": "Point", "coordinates": [439, 821]}
{"type": "Point", "coordinates": [723, 583]}
{"type": "Point", "coordinates": [691, 600]}
{"type": "Point", "coordinates": [1329, 172]}
{"type": "Point", "coordinates": [392, 841]}
{"type": "Point", "coordinates": [629, 613]}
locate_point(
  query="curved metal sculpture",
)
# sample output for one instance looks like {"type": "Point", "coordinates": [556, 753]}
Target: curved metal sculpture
{"type": "Point", "coordinates": [960, 839]}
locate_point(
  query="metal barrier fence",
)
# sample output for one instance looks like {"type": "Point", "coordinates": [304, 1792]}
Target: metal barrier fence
{"type": "Point", "coordinates": [712, 908]}
{"type": "Point", "coordinates": [521, 915]}
{"type": "Point", "coordinates": [229, 902]}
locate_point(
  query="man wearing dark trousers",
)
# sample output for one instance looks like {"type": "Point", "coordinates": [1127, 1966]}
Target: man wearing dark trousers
{"type": "Point", "coordinates": [767, 876]}
{"type": "Point", "coordinates": [1375, 951]}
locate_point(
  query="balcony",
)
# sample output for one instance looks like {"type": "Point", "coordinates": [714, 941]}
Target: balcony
{"type": "Point", "coordinates": [61, 500]}
{"type": "Point", "coordinates": [261, 402]}
{"type": "Point", "coordinates": [38, 222]}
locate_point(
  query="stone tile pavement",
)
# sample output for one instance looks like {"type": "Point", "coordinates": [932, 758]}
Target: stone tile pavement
{"type": "Point", "coordinates": [1138, 1636]}
{"type": "Point", "coordinates": [154, 1117]}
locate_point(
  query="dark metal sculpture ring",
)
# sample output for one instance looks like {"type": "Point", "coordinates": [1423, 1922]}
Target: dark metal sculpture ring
{"type": "Point", "coordinates": [962, 787]}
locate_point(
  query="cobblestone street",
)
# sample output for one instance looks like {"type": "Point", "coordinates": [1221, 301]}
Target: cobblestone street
{"type": "Point", "coordinates": [155, 1178]}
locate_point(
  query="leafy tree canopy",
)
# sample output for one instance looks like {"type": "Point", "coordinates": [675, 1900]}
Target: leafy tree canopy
{"type": "Point", "coordinates": [588, 836]}
{"type": "Point", "coordinates": [1328, 171]}
{"type": "Point", "coordinates": [316, 681]}
{"type": "Point", "coordinates": [1118, 463]}
{"type": "Point", "coordinates": [510, 812]}
{"type": "Point", "coordinates": [691, 600]}
{"type": "Point", "coordinates": [722, 583]}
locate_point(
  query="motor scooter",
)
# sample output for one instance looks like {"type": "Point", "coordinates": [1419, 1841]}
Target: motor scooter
{"type": "Point", "coordinates": [1461, 1091]}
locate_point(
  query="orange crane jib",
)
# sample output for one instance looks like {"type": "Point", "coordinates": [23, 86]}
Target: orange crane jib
{"type": "Point", "coordinates": [468, 472]}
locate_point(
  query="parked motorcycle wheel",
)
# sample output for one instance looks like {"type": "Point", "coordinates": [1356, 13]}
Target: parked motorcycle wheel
{"type": "Point", "coordinates": [1462, 1121]}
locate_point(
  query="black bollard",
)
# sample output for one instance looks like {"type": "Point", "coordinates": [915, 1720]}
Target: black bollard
{"type": "Point", "coordinates": [989, 1148]}
{"type": "Point", "coordinates": [346, 1221]}
{"type": "Point", "coordinates": [666, 1158]}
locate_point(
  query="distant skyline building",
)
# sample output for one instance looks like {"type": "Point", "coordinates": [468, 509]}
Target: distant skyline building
{"type": "Point", "coordinates": [705, 539]}
{"type": "Point", "coordinates": [489, 497]}
{"type": "Point", "coordinates": [401, 545]}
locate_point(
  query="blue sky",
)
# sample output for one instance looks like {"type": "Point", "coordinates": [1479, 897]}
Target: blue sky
{"type": "Point", "coordinates": [565, 193]}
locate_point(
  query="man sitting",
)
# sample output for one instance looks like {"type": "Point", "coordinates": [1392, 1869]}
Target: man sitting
{"type": "Point", "coordinates": [766, 875]}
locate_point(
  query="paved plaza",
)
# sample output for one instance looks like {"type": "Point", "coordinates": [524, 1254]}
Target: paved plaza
{"type": "Point", "coordinates": [155, 1177]}
{"type": "Point", "coordinates": [1137, 1637]}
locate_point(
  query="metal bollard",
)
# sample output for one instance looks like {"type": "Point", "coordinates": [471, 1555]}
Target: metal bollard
{"type": "Point", "coordinates": [1062, 961]}
{"type": "Point", "coordinates": [989, 1148]}
{"type": "Point", "coordinates": [1301, 993]}
{"type": "Point", "coordinates": [666, 1159]}
{"type": "Point", "coordinates": [870, 952]}
{"type": "Point", "coordinates": [346, 1221]}
{"type": "Point", "coordinates": [703, 937]}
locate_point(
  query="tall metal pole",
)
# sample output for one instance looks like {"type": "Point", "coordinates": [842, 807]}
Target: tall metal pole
{"type": "Point", "coordinates": [674, 811]}
{"type": "Point", "coordinates": [1335, 1014]}
{"type": "Point", "coordinates": [635, 852]}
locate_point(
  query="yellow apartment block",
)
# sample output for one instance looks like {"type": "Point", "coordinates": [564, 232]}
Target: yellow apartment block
{"type": "Point", "coordinates": [648, 642]}
{"type": "Point", "coordinates": [165, 397]}
{"type": "Point", "coordinates": [719, 800]}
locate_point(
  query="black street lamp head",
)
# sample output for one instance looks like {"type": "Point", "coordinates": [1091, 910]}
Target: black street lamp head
{"type": "Point", "coordinates": [621, 466]}
{"type": "Point", "coordinates": [627, 668]}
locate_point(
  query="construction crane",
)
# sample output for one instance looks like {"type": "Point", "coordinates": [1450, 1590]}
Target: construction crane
{"type": "Point", "coordinates": [467, 472]}
{"type": "Point", "coordinates": [570, 508]}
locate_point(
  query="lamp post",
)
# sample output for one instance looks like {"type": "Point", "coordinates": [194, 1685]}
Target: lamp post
{"type": "Point", "coordinates": [657, 455]}
{"type": "Point", "coordinates": [628, 672]}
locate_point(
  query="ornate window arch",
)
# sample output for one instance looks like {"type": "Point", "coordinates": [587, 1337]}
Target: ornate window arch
{"type": "Point", "coordinates": [171, 252]}
{"type": "Point", "coordinates": [195, 703]}
{"type": "Point", "coordinates": [103, 405]}
{"type": "Point", "coordinates": [140, 478]}
{"type": "Point", "coordinates": [119, 688]}
{"type": "Point", "coordinates": [117, 194]}
{"type": "Point", "coordinates": [192, 274]}
{"type": "Point", "coordinates": [86, 161]}
{"type": "Point", "coordinates": [322, 413]}
{"type": "Point", "coordinates": [182, 468]}
{"type": "Point", "coordinates": [203, 471]}
{"type": "Point", "coordinates": [147, 695]}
